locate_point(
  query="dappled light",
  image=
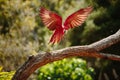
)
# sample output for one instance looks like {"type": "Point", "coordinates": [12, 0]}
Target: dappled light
{"type": "Point", "coordinates": [24, 34]}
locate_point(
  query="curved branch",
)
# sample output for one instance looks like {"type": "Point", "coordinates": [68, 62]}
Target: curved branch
{"type": "Point", "coordinates": [91, 50]}
{"type": "Point", "coordinates": [106, 42]}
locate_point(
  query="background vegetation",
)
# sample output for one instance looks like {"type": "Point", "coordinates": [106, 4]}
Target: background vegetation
{"type": "Point", "coordinates": [72, 69]}
{"type": "Point", "coordinates": [22, 33]}
{"type": "Point", "coordinates": [6, 75]}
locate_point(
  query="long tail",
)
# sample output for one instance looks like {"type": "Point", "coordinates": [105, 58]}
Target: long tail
{"type": "Point", "coordinates": [57, 36]}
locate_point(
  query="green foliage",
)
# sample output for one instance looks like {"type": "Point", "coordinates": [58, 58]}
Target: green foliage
{"type": "Point", "coordinates": [17, 24]}
{"type": "Point", "coordinates": [102, 22]}
{"type": "Point", "coordinates": [72, 69]}
{"type": "Point", "coordinates": [21, 31]}
{"type": "Point", "coordinates": [6, 75]}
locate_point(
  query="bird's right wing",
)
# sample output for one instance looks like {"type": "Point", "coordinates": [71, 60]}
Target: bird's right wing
{"type": "Point", "coordinates": [50, 19]}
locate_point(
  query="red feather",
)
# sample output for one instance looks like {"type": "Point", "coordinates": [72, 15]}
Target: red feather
{"type": "Point", "coordinates": [77, 18]}
{"type": "Point", "coordinates": [54, 22]}
{"type": "Point", "coordinates": [50, 19]}
{"type": "Point", "coordinates": [57, 35]}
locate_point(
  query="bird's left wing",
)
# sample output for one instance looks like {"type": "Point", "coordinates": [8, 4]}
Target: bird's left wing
{"type": "Point", "coordinates": [77, 18]}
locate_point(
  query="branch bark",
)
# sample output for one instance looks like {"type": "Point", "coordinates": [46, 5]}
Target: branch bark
{"type": "Point", "coordinates": [92, 50]}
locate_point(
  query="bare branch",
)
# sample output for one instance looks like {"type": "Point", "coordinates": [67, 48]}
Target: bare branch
{"type": "Point", "coordinates": [106, 42]}
{"type": "Point", "coordinates": [91, 50]}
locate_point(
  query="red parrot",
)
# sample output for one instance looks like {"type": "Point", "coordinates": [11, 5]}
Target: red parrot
{"type": "Point", "coordinates": [54, 22]}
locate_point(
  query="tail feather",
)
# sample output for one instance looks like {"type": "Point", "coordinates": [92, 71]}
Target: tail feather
{"type": "Point", "coordinates": [57, 36]}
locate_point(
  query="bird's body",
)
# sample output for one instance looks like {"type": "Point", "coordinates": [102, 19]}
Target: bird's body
{"type": "Point", "coordinates": [54, 22]}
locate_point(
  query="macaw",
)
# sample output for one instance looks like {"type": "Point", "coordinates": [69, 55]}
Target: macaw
{"type": "Point", "coordinates": [54, 22]}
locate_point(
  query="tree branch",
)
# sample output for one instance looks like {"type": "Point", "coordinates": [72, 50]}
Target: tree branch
{"type": "Point", "coordinates": [91, 50]}
{"type": "Point", "coordinates": [107, 42]}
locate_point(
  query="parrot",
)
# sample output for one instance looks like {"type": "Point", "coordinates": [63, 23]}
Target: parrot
{"type": "Point", "coordinates": [54, 22]}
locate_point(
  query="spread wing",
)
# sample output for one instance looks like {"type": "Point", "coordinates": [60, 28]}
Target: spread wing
{"type": "Point", "coordinates": [50, 19]}
{"type": "Point", "coordinates": [77, 18]}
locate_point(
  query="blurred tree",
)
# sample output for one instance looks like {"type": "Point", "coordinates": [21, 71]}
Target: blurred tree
{"type": "Point", "coordinates": [21, 30]}
{"type": "Point", "coordinates": [17, 24]}
{"type": "Point", "coordinates": [103, 22]}
{"type": "Point", "coordinates": [22, 33]}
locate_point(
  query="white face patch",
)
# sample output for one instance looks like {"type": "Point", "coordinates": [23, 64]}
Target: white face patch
{"type": "Point", "coordinates": [63, 26]}
{"type": "Point", "coordinates": [63, 29]}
